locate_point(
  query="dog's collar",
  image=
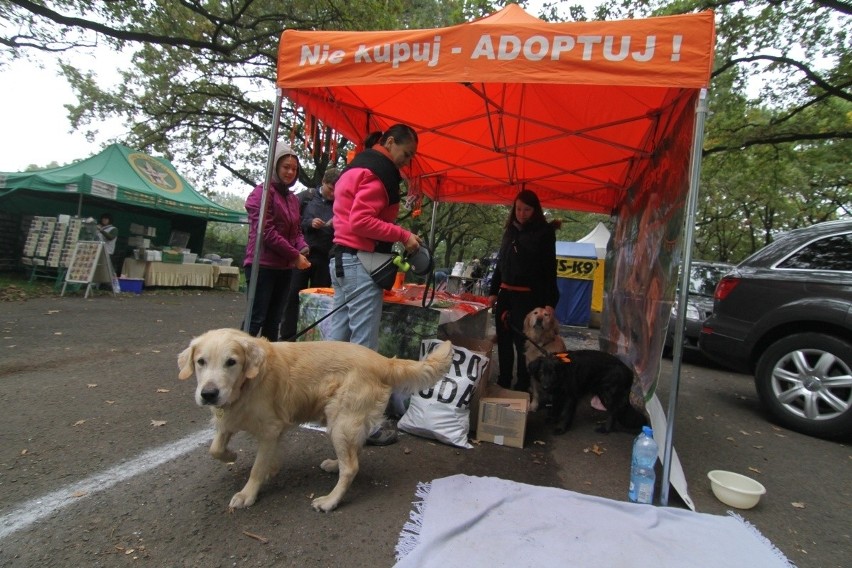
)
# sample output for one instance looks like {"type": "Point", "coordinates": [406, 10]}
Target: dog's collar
{"type": "Point", "coordinates": [564, 356]}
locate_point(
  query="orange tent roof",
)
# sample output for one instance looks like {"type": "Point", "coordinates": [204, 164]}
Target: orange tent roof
{"type": "Point", "coordinates": [572, 111]}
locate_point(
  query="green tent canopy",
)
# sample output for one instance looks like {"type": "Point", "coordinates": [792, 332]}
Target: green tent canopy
{"type": "Point", "coordinates": [122, 175]}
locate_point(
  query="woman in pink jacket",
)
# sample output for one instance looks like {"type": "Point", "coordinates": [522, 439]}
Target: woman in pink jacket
{"type": "Point", "coordinates": [366, 204]}
{"type": "Point", "coordinates": [283, 246]}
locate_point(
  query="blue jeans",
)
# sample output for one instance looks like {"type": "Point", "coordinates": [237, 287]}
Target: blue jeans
{"type": "Point", "coordinates": [359, 319]}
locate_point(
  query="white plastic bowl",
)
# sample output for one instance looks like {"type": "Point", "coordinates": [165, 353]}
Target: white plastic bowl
{"type": "Point", "coordinates": [734, 489]}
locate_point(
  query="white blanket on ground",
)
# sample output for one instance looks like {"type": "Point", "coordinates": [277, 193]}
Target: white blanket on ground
{"type": "Point", "coordinates": [490, 522]}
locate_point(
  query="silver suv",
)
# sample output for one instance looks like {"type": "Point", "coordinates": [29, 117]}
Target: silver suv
{"type": "Point", "coordinates": [785, 315]}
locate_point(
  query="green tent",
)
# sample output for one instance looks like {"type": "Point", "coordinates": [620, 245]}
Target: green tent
{"type": "Point", "coordinates": [120, 175]}
{"type": "Point", "coordinates": [130, 185]}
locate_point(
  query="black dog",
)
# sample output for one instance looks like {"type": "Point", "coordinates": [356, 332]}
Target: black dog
{"type": "Point", "coordinates": [567, 377]}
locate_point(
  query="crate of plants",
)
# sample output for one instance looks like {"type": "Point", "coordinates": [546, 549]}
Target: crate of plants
{"type": "Point", "coordinates": [174, 256]}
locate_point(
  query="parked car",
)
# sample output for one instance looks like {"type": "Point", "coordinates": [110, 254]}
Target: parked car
{"type": "Point", "coordinates": [703, 277]}
{"type": "Point", "coordinates": [785, 315]}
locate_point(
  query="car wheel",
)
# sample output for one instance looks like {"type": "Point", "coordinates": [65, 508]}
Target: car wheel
{"type": "Point", "coordinates": [805, 382]}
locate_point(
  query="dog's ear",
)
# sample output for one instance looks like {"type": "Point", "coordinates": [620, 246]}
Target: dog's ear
{"type": "Point", "coordinates": [185, 362]}
{"type": "Point", "coordinates": [255, 356]}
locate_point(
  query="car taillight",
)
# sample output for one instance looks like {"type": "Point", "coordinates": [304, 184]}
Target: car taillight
{"type": "Point", "coordinates": [724, 287]}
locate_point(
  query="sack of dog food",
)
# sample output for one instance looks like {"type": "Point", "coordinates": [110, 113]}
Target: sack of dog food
{"type": "Point", "coordinates": [442, 412]}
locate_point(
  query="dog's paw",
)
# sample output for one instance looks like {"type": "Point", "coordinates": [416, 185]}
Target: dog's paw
{"type": "Point", "coordinates": [226, 456]}
{"type": "Point", "coordinates": [242, 500]}
{"type": "Point", "coordinates": [325, 503]}
{"type": "Point", "coordinates": [329, 465]}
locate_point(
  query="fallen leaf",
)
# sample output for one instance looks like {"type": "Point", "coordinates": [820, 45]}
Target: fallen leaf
{"type": "Point", "coordinates": [109, 401]}
{"type": "Point", "coordinates": [757, 447]}
{"type": "Point", "coordinates": [699, 418]}
{"type": "Point", "coordinates": [597, 450]}
{"type": "Point", "coordinates": [129, 551]}
{"type": "Point", "coordinates": [50, 312]}
{"type": "Point", "coordinates": [81, 422]}
{"type": "Point", "coordinates": [57, 333]}
{"type": "Point", "coordinates": [257, 537]}
{"type": "Point", "coordinates": [157, 423]}
{"type": "Point", "coordinates": [744, 433]}
{"type": "Point", "coordinates": [92, 385]}
{"type": "Point", "coordinates": [755, 470]}
{"type": "Point", "coordinates": [24, 452]}
{"type": "Point", "coordinates": [536, 462]}
{"type": "Point", "coordinates": [798, 504]}
{"type": "Point", "coordinates": [540, 443]}
{"type": "Point", "coordinates": [406, 451]}
{"type": "Point", "coordinates": [163, 390]}
{"type": "Point", "coordinates": [155, 350]}
{"type": "Point", "coordinates": [79, 493]}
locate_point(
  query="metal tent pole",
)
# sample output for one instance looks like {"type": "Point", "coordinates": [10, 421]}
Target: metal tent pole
{"type": "Point", "coordinates": [432, 226]}
{"type": "Point", "coordinates": [683, 292]}
{"type": "Point", "coordinates": [270, 166]}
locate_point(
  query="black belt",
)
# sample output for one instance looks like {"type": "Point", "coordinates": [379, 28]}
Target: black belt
{"type": "Point", "coordinates": [342, 249]}
{"type": "Point", "coordinates": [337, 251]}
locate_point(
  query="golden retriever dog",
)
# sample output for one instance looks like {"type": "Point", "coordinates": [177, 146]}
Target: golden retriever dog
{"type": "Point", "coordinates": [541, 327]}
{"type": "Point", "coordinates": [264, 388]}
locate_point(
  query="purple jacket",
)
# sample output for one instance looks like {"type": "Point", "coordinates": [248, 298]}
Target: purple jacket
{"type": "Point", "coordinates": [282, 234]}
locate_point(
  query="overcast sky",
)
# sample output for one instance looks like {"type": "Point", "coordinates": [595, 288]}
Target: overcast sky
{"type": "Point", "coordinates": [34, 122]}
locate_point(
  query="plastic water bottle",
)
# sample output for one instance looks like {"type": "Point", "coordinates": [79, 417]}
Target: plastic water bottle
{"type": "Point", "coordinates": [642, 474]}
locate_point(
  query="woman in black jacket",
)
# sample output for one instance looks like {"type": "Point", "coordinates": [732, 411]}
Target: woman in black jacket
{"type": "Point", "coordinates": [525, 278]}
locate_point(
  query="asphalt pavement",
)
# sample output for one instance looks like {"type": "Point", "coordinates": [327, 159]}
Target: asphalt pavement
{"type": "Point", "coordinates": [103, 458]}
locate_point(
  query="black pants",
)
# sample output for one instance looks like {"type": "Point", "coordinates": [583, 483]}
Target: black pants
{"type": "Point", "coordinates": [317, 276]}
{"type": "Point", "coordinates": [273, 285]}
{"type": "Point", "coordinates": [511, 344]}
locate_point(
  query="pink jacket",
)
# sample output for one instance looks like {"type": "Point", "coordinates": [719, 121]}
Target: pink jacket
{"type": "Point", "coordinates": [282, 232]}
{"type": "Point", "coordinates": [362, 215]}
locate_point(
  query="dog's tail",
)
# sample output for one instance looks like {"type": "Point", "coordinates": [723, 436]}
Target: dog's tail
{"type": "Point", "coordinates": [404, 374]}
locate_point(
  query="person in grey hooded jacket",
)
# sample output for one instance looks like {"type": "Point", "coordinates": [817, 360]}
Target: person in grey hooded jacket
{"type": "Point", "coordinates": [282, 245]}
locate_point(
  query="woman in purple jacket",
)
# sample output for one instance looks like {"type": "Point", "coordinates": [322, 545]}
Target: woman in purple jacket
{"type": "Point", "coordinates": [283, 246]}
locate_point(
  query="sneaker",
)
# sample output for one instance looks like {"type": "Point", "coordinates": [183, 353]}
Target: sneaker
{"type": "Point", "coordinates": [384, 436]}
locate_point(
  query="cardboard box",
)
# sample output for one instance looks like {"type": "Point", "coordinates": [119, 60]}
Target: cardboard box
{"type": "Point", "coordinates": [502, 417]}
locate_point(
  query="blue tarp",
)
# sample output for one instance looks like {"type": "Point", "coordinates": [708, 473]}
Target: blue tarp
{"type": "Point", "coordinates": [575, 294]}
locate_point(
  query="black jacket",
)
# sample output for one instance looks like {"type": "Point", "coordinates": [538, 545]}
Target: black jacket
{"type": "Point", "coordinates": [320, 240]}
{"type": "Point", "coordinates": [528, 258]}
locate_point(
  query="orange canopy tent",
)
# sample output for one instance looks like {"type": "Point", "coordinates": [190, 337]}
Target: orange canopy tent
{"type": "Point", "coordinates": [573, 111]}
{"type": "Point", "coordinates": [593, 116]}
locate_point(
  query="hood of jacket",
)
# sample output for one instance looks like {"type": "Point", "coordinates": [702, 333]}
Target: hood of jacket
{"type": "Point", "coordinates": [281, 150]}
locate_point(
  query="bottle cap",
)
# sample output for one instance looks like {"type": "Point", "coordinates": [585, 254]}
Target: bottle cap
{"type": "Point", "coordinates": [648, 431]}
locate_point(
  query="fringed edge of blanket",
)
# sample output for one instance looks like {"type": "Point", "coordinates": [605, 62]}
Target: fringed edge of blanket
{"type": "Point", "coordinates": [768, 543]}
{"type": "Point", "coordinates": [409, 537]}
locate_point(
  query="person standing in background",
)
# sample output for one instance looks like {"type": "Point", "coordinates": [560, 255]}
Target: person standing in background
{"type": "Point", "coordinates": [108, 233]}
{"type": "Point", "coordinates": [318, 227]}
{"type": "Point", "coordinates": [525, 278]}
{"type": "Point", "coordinates": [366, 205]}
{"type": "Point", "coordinates": [283, 246]}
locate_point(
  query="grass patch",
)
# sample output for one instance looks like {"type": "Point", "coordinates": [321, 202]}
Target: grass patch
{"type": "Point", "coordinates": [16, 286]}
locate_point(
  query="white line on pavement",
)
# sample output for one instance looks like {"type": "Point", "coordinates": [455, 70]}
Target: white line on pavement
{"type": "Point", "coordinates": [36, 509]}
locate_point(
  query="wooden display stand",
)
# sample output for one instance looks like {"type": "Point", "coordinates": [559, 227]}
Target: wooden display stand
{"type": "Point", "coordinates": [89, 265]}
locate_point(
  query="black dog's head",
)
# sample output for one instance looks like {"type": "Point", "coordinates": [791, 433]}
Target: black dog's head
{"type": "Point", "coordinates": [550, 371]}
